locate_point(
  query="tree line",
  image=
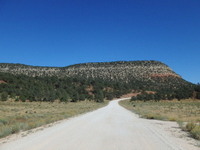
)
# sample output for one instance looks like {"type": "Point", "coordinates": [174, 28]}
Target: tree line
{"type": "Point", "coordinates": [184, 92]}
{"type": "Point", "coordinates": [22, 87]}
{"type": "Point", "coordinates": [51, 88]}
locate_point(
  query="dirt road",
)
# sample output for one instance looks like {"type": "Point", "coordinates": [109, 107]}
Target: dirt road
{"type": "Point", "coordinates": [108, 128]}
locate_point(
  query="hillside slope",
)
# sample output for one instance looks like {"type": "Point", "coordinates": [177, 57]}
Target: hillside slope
{"type": "Point", "coordinates": [120, 70]}
{"type": "Point", "coordinates": [107, 79]}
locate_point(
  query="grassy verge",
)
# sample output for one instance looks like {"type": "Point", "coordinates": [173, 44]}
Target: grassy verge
{"type": "Point", "coordinates": [19, 116]}
{"type": "Point", "coordinates": [185, 112]}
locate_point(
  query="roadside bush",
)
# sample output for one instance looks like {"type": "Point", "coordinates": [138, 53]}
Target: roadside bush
{"type": "Point", "coordinates": [196, 132]}
{"type": "Point", "coordinates": [5, 131]}
{"type": "Point", "coordinates": [190, 126]}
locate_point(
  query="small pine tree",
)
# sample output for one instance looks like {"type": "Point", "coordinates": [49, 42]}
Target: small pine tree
{"type": "Point", "coordinates": [82, 97]}
{"type": "Point", "coordinates": [75, 97]}
{"type": "Point", "coordinates": [4, 96]}
{"type": "Point", "coordinates": [64, 98]}
{"type": "Point", "coordinates": [133, 98]}
{"type": "Point", "coordinates": [22, 98]}
{"type": "Point", "coordinates": [99, 97]}
{"type": "Point", "coordinates": [198, 95]}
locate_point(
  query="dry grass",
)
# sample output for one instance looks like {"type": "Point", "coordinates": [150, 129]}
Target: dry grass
{"type": "Point", "coordinates": [21, 116]}
{"type": "Point", "coordinates": [185, 112]}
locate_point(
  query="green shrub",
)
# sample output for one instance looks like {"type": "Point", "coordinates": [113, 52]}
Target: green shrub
{"type": "Point", "coordinates": [3, 121]}
{"type": "Point", "coordinates": [193, 129]}
{"type": "Point", "coordinates": [195, 132]}
{"type": "Point", "coordinates": [190, 126]}
{"type": "Point", "coordinates": [5, 130]}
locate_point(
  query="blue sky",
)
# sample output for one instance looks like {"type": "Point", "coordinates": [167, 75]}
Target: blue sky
{"type": "Point", "coordinates": [66, 32]}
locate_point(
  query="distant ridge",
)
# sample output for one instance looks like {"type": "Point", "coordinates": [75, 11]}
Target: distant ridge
{"type": "Point", "coordinates": [105, 70]}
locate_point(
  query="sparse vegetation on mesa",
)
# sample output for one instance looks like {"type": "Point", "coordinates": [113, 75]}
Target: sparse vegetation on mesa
{"type": "Point", "coordinates": [185, 112]}
{"type": "Point", "coordinates": [20, 116]}
{"type": "Point", "coordinates": [119, 70]}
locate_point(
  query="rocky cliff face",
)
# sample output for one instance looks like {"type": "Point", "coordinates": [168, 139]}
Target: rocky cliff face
{"type": "Point", "coordinates": [119, 71]}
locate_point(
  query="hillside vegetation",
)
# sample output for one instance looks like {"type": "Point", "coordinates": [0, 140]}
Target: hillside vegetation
{"type": "Point", "coordinates": [93, 81]}
{"type": "Point", "coordinates": [118, 71]}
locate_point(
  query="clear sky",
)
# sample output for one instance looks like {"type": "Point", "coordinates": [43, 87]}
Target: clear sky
{"type": "Point", "coordinates": [66, 32]}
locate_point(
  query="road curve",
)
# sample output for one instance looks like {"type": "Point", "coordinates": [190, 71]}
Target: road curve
{"type": "Point", "coordinates": [109, 128]}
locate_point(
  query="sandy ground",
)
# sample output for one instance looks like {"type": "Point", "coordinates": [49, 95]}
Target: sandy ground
{"type": "Point", "coordinates": [109, 128]}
